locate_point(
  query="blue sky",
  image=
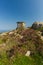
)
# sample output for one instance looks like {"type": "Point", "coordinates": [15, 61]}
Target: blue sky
{"type": "Point", "coordinates": [12, 11]}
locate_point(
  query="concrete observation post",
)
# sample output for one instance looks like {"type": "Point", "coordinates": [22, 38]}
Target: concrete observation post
{"type": "Point", "coordinates": [20, 25]}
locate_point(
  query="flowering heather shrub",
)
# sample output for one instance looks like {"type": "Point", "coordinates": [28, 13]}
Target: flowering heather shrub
{"type": "Point", "coordinates": [31, 35]}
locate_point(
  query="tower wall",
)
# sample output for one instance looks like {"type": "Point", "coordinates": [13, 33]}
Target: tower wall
{"type": "Point", "coordinates": [20, 24]}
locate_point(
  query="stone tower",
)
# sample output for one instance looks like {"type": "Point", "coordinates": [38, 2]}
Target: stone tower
{"type": "Point", "coordinates": [20, 25]}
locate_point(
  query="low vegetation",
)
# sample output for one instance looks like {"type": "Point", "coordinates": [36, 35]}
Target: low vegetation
{"type": "Point", "coordinates": [16, 46]}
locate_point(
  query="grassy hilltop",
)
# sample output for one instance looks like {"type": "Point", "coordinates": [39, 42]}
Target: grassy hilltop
{"type": "Point", "coordinates": [15, 44]}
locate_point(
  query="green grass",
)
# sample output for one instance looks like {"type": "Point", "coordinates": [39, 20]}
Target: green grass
{"type": "Point", "coordinates": [21, 60]}
{"type": "Point", "coordinates": [40, 29]}
{"type": "Point", "coordinates": [1, 41]}
{"type": "Point", "coordinates": [24, 61]}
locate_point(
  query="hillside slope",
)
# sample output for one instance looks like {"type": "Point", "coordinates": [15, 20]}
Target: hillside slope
{"type": "Point", "coordinates": [15, 44]}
